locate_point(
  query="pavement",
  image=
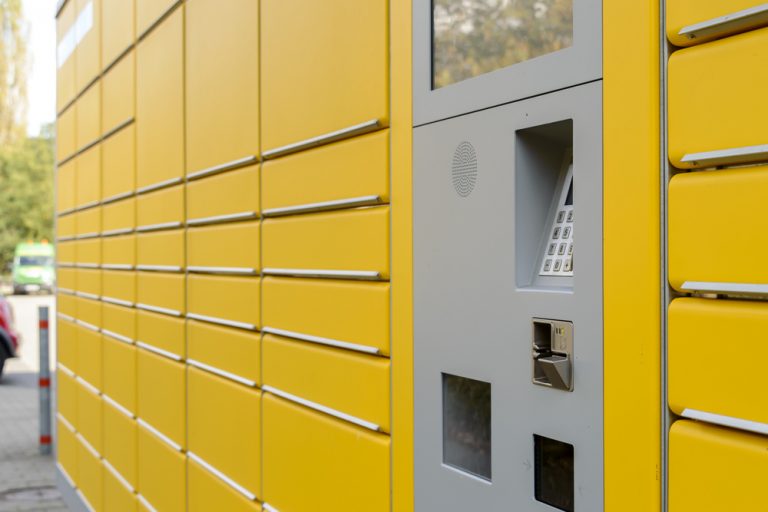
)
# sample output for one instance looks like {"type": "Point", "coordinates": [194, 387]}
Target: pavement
{"type": "Point", "coordinates": [27, 479]}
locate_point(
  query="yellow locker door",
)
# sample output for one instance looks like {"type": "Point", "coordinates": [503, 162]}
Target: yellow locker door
{"type": "Point", "coordinates": [65, 134]}
{"type": "Point", "coordinates": [66, 40]}
{"type": "Point", "coordinates": [118, 94]}
{"type": "Point", "coordinates": [119, 368]}
{"type": "Point", "coordinates": [234, 351]}
{"type": "Point", "coordinates": [88, 49]}
{"type": "Point", "coordinates": [208, 492]}
{"type": "Point", "coordinates": [120, 442]}
{"type": "Point", "coordinates": [119, 164]}
{"type": "Point", "coordinates": [692, 22]}
{"type": "Point", "coordinates": [161, 396]}
{"type": "Point", "coordinates": [162, 474]}
{"type": "Point", "coordinates": [88, 116]}
{"type": "Point", "coordinates": [118, 28]}
{"type": "Point", "coordinates": [88, 177]}
{"type": "Point", "coordinates": [65, 186]}
{"type": "Point", "coordinates": [117, 497]}
{"type": "Point", "coordinates": [149, 11]}
{"type": "Point", "coordinates": [226, 300]}
{"type": "Point", "coordinates": [229, 196]}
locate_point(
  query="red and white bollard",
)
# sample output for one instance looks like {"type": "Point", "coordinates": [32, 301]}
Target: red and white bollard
{"type": "Point", "coordinates": [44, 383]}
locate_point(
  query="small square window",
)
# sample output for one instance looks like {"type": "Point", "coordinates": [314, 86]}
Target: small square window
{"type": "Point", "coordinates": [553, 473]}
{"type": "Point", "coordinates": [467, 425]}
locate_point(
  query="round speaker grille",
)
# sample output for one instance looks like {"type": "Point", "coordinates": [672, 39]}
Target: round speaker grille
{"type": "Point", "coordinates": [464, 169]}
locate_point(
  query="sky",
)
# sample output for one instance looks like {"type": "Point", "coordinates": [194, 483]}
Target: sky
{"type": "Point", "coordinates": [41, 92]}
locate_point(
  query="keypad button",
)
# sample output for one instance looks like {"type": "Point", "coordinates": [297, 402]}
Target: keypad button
{"type": "Point", "coordinates": [570, 216]}
{"type": "Point", "coordinates": [568, 265]}
{"type": "Point", "coordinates": [560, 216]}
{"type": "Point", "coordinates": [561, 249]}
{"type": "Point", "coordinates": [547, 265]}
{"type": "Point", "coordinates": [558, 264]}
{"type": "Point", "coordinates": [556, 234]}
{"type": "Point", "coordinates": [570, 249]}
{"type": "Point", "coordinates": [552, 249]}
{"type": "Point", "coordinates": [567, 232]}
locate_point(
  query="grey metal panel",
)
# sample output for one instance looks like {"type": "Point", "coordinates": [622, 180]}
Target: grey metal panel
{"type": "Point", "coordinates": [575, 65]}
{"type": "Point", "coordinates": [472, 319]}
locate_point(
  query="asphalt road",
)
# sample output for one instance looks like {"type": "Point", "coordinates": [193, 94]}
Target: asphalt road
{"type": "Point", "coordinates": [25, 309]}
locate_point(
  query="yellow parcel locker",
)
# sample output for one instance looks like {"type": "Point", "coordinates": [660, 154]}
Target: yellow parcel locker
{"type": "Point", "coordinates": [66, 252]}
{"type": "Point", "coordinates": [65, 186]}
{"type": "Point", "coordinates": [88, 177]}
{"type": "Point", "coordinates": [161, 394]}
{"type": "Point", "coordinates": [88, 116]}
{"type": "Point", "coordinates": [88, 222]}
{"type": "Point", "coordinates": [683, 16]}
{"type": "Point", "coordinates": [208, 492]}
{"type": "Point", "coordinates": [89, 415]}
{"type": "Point", "coordinates": [89, 356]}
{"type": "Point", "coordinates": [89, 281]}
{"type": "Point", "coordinates": [353, 240]}
{"type": "Point", "coordinates": [89, 476]}
{"type": "Point", "coordinates": [118, 29]}
{"type": "Point", "coordinates": [714, 219]}
{"type": "Point", "coordinates": [67, 345]}
{"type": "Point", "coordinates": [120, 442]}
{"type": "Point", "coordinates": [305, 92]}
{"type": "Point", "coordinates": [119, 320]}
{"type": "Point", "coordinates": [161, 209]}
{"type": "Point", "coordinates": [222, 96]}
{"type": "Point", "coordinates": [66, 304]}
{"type": "Point", "coordinates": [66, 226]}
{"type": "Point", "coordinates": [162, 474]}
{"type": "Point", "coordinates": [233, 350]}
{"type": "Point", "coordinates": [65, 55]}
{"type": "Point", "coordinates": [89, 311]}
{"type": "Point", "coordinates": [88, 252]}
{"type": "Point", "coordinates": [118, 94]}
{"type": "Point", "coordinates": [322, 375]}
{"type": "Point", "coordinates": [227, 246]}
{"type": "Point", "coordinates": [160, 103]}
{"type": "Point", "coordinates": [324, 457]}
{"type": "Point", "coordinates": [718, 84]}
{"type": "Point", "coordinates": [120, 285]}
{"type": "Point", "coordinates": [355, 314]}
{"type": "Point", "coordinates": [119, 163]}
{"type": "Point", "coordinates": [66, 395]}
{"type": "Point", "coordinates": [149, 11]}
{"type": "Point", "coordinates": [224, 427]}
{"type": "Point", "coordinates": [65, 134]}
{"type": "Point", "coordinates": [117, 497]}
{"type": "Point", "coordinates": [713, 468]}
{"type": "Point", "coordinates": [161, 292]}
{"type": "Point", "coordinates": [161, 331]}
{"type": "Point", "coordinates": [352, 170]}
{"type": "Point", "coordinates": [119, 217]}
{"type": "Point", "coordinates": [161, 250]}
{"type": "Point", "coordinates": [88, 49]}
{"type": "Point", "coordinates": [703, 374]}
{"type": "Point", "coordinates": [66, 279]}
{"type": "Point", "coordinates": [227, 300]}
{"type": "Point", "coordinates": [66, 449]}
{"type": "Point", "coordinates": [228, 196]}
{"type": "Point", "coordinates": [120, 251]}
{"type": "Point", "coordinates": [119, 377]}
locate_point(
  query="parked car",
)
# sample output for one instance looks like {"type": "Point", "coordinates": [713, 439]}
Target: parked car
{"type": "Point", "coordinates": [33, 268]}
{"type": "Point", "coordinates": [9, 337]}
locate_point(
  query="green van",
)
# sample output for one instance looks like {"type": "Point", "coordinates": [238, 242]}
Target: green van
{"type": "Point", "coordinates": [33, 268]}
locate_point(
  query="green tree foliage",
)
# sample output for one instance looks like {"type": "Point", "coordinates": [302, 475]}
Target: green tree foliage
{"type": "Point", "coordinates": [26, 193]}
{"type": "Point", "coordinates": [473, 37]}
{"type": "Point", "coordinates": [13, 71]}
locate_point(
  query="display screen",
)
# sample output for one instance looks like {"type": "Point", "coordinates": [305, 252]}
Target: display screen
{"type": "Point", "coordinates": [474, 37]}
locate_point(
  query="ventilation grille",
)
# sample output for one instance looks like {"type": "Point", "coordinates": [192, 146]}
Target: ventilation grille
{"type": "Point", "coordinates": [464, 169]}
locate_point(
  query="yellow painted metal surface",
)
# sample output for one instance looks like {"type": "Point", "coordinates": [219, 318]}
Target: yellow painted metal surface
{"type": "Point", "coordinates": [225, 297]}
{"type": "Point", "coordinates": [116, 496]}
{"type": "Point", "coordinates": [66, 395]}
{"type": "Point", "coordinates": [704, 374]}
{"type": "Point", "coordinates": [225, 427]}
{"type": "Point", "coordinates": [222, 99]}
{"type": "Point", "coordinates": [66, 448]}
{"type": "Point", "coordinates": [713, 220]}
{"type": "Point", "coordinates": [160, 392]}
{"type": "Point", "coordinates": [88, 251]}
{"type": "Point", "coordinates": [67, 344]}
{"type": "Point", "coordinates": [322, 456]}
{"type": "Point", "coordinates": [65, 186]}
{"type": "Point", "coordinates": [323, 375]}
{"type": "Point", "coordinates": [118, 93]}
{"type": "Point", "coordinates": [233, 350]}
{"type": "Point", "coordinates": [66, 303]}
{"type": "Point", "coordinates": [352, 168]}
{"type": "Point", "coordinates": [66, 226]}
{"type": "Point", "coordinates": [163, 248]}
{"type": "Point", "coordinates": [65, 77]}
{"type": "Point", "coordinates": [119, 372]}
{"type": "Point", "coordinates": [65, 131]}
{"type": "Point", "coordinates": [88, 49]}
{"type": "Point", "coordinates": [159, 104]}
{"type": "Point", "coordinates": [89, 424]}
{"type": "Point", "coordinates": [348, 240]}
{"type": "Point", "coordinates": [119, 284]}
{"type": "Point", "coordinates": [208, 492]}
{"type": "Point", "coordinates": [305, 91]}
{"type": "Point", "coordinates": [714, 468]}
{"type": "Point", "coordinates": [233, 245]}
{"type": "Point", "coordinates": [632, 255]}
{"type": "Point", "coordinates": [162, 473]}
{"type": "Point", "coordinates": [89, 356]}
{"type": "Point", "coordinates": [119, 250]}
{"type": "Point", "coordinates": [88, 221]}
{"type": "Point", "coordinates": [88, 177]}
{"type": "Point", "coordinates": [683, 13]}
{"type": "Point", "coordinates": [718, 84]}
{"type": "Point", "coordinates": [89, 310]}
{"type": "Point", "coordinates": [161, 331]}
{"type": "Point", "coordinates": [119, 319]}
{"type": "Point", "coordinates": [66, 252]}
{"type": "Point", "coordinates": [88, 116]}
{"type": "Point", "coordinates": [160, 207]}
{"type": "Point", "coordinates": [340, 310]}
{"type": "Point", "coordinates": [234, 192]}
{"type": "Point", "coordinates": [118, 28]}
{"type": "Point", "coordinates": [119, 215]}
{"type": "Point", "coordinates": [89, 476]}
{"type": "Point", "coordinates": [148, 12]}
{"type": "Point", "coordinates": [89, 280]}
{"type": "Point", "coordinates": [121, 443]}
{"type": "Point", "coordinates": [119, 162]}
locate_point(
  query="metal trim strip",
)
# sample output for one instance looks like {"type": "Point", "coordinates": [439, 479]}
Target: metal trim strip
{"type": "Point", "coordinates": [87, 235]}
{"type": "Point", "coordinates": [159, 351]}
{"type": "Point", "coordinates": [117, 197]}
{"type": "Point", "coordinates": [221, 373]}
{"type": "Point", "coordinates": [223, 270]}
{"type": "Point", "coordinates": [66, 317]}
{"type": "Point", "coordinates": [119, 231]}
{"type": "Point", "coordinates": [126, 122]}
{"type": "Point", "coordinates": [226, 166]}
{"type": "Point", "coordinates": [735, 288]}
{"type": "Point", "coordinates": [158, 226]}
{"type": "Point", "coordinates": [167, 440]}
{"type": "Point", "coordinates": [740, 20]}
{"type": "Point", "coordinates": [119, 477]}
{"type": "Point", "coordinates": [87, 265]}
{"type": "Point", "coordinates": [158, 185]}
{"type": "Point", "coordinates": [118, 337]}
{"type": "Point", "coordinates": [159, 268]}
{"type": "Point", "coordinates": [326, 138]}
{"type": "Point", "coordinates": [85, 501]}
{"type": "Point", "coordinates": [120, 408]}
{"type": "Point", "coordinates": [364, 275]}
{"type": "Point", "coordinates": [322, 341]}
{"type": "Point", "coordinates": [88, 326]}
{"type": "Point", "coordinates": [222, 218]}
{"type": "Point", "coordinates": [323, 206]}
{"type": "Point", "coordinates": [726, 421]}
{"type": "Point", "coordinates": [146, 503]}
{"type": "Point", "coordinates": [65, 475]}
{"type": "Point", "coordinates": [119, 302]}
{"type": "Point", "coordinates": [66, 423]}
{"type": "Point", "coordinates": [66, 370]}
{"type": "Point", "coordinates": [87, 445]}
{"type": "Point", "coordinates": [222, 321]}
{"type": "Point", "coordinates": [87, 295]}
{"type": "Point", "coordinates": [158, 309]}
{"type": "Point", "coordinates": [117, 266]}
{"type": "Point", "coordinates": [90, 387]}
{"type": "Point", "coordinates": [221, 476]}
{"type": "Point", "coordinates": [731, 156]}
